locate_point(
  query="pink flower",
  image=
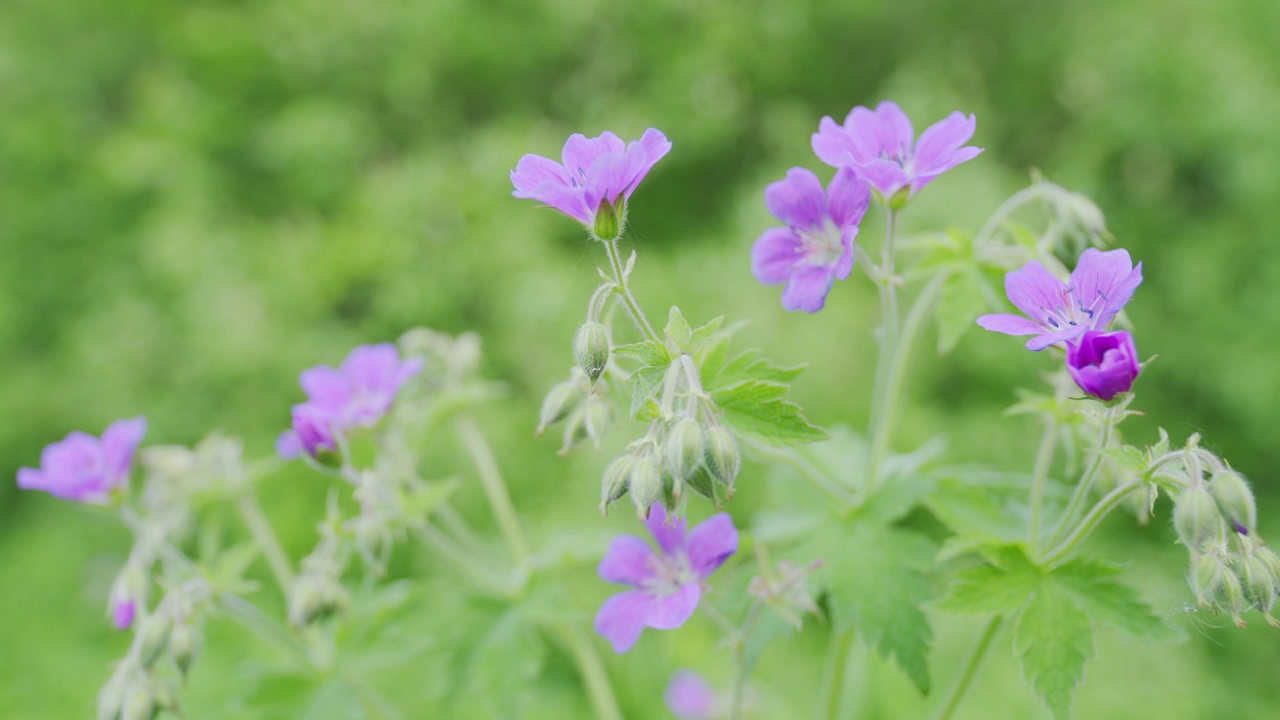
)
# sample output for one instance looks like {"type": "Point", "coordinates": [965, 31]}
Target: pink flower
{"type": "Point", "coordinates": [1104, 364]}
{"type": "Point", "coordinates": [84, 468]}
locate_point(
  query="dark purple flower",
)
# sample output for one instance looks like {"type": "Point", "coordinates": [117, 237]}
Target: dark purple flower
{"type": "Point", "coordinates": [1060, 312]}
{"type": "Point", "coordinates": [596, 170]}
{"type": "Point", "coordinates": [881, 146]}
{"type": "Point", "coordinates": [668, 583]}
{"type": "Point", "coordinates": [1103, 364]}
{"type": "Point", "coordinates": [84, 468]}
{"type": "Point", "coordinates": [816, 246]}
{"type": "Point", "coordinates": [690, 697]}
{"type": "Point", "coordinates": [356, 394]}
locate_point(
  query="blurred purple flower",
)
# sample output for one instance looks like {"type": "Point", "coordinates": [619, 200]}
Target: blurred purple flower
{"type": "Point", "coordinates": [84, 468]}
{"type": "Point", "coordinates": [356, 394]}
{"type": "Point", "coordinates": [879, 145]}
{"type": "Point", "coordinates": [668, 583]}
{"type": "Point", "coordinates": [690, 697]}
{"type": "Point", "coordinates": [122, 612]}
{"type": "Point", "coordinates": [1061, 312]}
{"type": "Point", "coordinates": [1103, 364]}
{"type": "Point", "coordinates": [816, 246]}
{"type": "Point", "coordinates": [595, 170]}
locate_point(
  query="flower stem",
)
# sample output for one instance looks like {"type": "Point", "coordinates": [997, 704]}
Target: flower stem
{"type": "Point", "coordinates": [495, 490]}
{"type": "Point", "coordinates": [251, 512]}
{"type": "Point", "coordinates": [843, 499]}
{"type": "Point", "coordinates": [462, 560]}
{"type": "Point", "coordinates": [970, 671]}
{"type": "Point", "coordinates": [633, 308]}
{"type": "Point", "coordinates": [1090, 521]}
{"type": "Point", "coordinates": [833, 671]}
{"type": "Point", "coordinates": [267, 630]}
{"type": "Point", "coordinates": [740, 670]}
{"type": "Point", "coordinates": [1040, 476]}
{"type": "Point", "coordinates": [591, 668]}
{"type": "Point", "coordinates": [1081, 494]}
{"type": "Point", "coordinates": [882, 400]}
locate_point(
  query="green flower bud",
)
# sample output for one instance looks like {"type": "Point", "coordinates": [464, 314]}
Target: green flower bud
{"type": "Point", "coordinates": [315, 597]}
{"type": "Point", "coordinates": [111, 699]}
{"type": "Point", "coordinates": [596, 420]}
{"type": "Point", "coordinates": [556, 405]}
{"type": "Point", "coordinates": [1206, 578]}
{"type": "Point", "coordinates": [610, 219]}
{"type": "Point", "coordinates": [722, 457]}
{"type": "Point", "coordinates": [1231, 596]}
{"type": "Point", "coordinates": [575, 430]}
{"type": "Point", "coordinates": [591, 349]}
{"type": "Point", "coordinates": [683, 450]}
{"type": "Point", "coordinates": [166, 697]}
{"type": "Point", "coordinates": [1259, 585]}
{"type": "Point", "coordinates": [152, 638]}
{"type": "Point", "coordinates": [184, 646]}
{"type": "Point", "coordinates": [645, 484]}
{"type": "Point", "coordinates": [614, 483]}
{"type": "Point", "coordinates": [1236, 500]}
{"type": "Point", "coordinates": [1269, 558]}
{"type": "Point", "coordinates": [139, 704]}
{"type": "Point", "coordinates": [1196, 518]}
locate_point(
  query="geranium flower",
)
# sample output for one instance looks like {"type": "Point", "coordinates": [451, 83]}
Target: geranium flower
{"type": "Point", "coordinates": [597, 178]}
{"type": "Point", "coordinates": [816, 246]}
{"type": "Point", "coordinates": [879, 146]}
{"type": "Point", "coordinates": [1104, 364]}
{"type": "Point", "coordinates": [1061, 312]}
{"type": "Point", "coordinates": [690, 697]}
{"type": "Point", "coordinates": [668, 584]}
{"type": "Point", "coordinates": [84, 468]}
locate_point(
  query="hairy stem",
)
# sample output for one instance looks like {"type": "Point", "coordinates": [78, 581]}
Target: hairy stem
{"type": "Point", "coordinates": [970, 670]}
{"type": "Point", "coordinates": [1090, 521]}
{"type": "Point", "coordinates": [591, 668]}
{"type": "Point", "coordinates": [1081, 494]}
{"type": "Point", "coordinates": [1040, 476]}
{"type": "Point", "coordinates": [633, 308]}
{"type": "Point", "coordinates": [494, 489]}
{"type": "Point", "coordinates": [881, 401]}
{"type": "Point", "coordinates": [251, 512]}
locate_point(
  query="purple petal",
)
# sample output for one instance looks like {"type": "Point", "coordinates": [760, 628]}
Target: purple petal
{"type": "Point", "coordinates": [668, 612]}
{"type": "Point", "coordinates": [1034, 290]}
{"type": "Point", "coordinates": [832, 141]}
{"type": "Point", "coordinates": [920, 179]}
{"type": "Point", "coordinates": [863, 128]}
{"type": "Point", "coordinates": [668, 532]}
{"type": "Point", "coordinates": [775, 255]}
{"type": "Point", "coordinates": [847, 198]}
{"type": "Point", "coordinates": [844, 265]}
{"type": "Point", "coordinates": [32, 479]}
{"type": "Point", "coordinates": [621, 618]}
{"type": "Point", "coordinates": [288, 446]}
{"type": "Point", "coordinates": [325, 387]}
{"type": "Point", "coordinates": [580, 152]}
{"type": "Point", "coordinates": [1104, 364]}
{"type": "Point", "coordinates": [894, 133]}
{"type": "Point", "coordinates": [1010, 324]}
{"type": "Point", "coordinates": [712, 542]}
{"type": "Point", "coordinates": [122, 612]}
{"type": "Point", "coordinates": [119, 441]}
{"type": "Point", "coordinates": [1104, 282]}
{"type": "Point", "coordinates": [808, 287]}
{"type": "Point", "coordinates": [655, 146]}
{"type": "Point", "coordinates": [940, 141]}
{"type": "Point", "coordinates": [628, 561]}
{"type": "Point", "coordinates": [885, 176]}
{"type": "Point", "coordinates": [607, 179]}
{"type": "Point", "coordinates": [799, 200]}
{"type": "Point", "coordinates": [532, 171]}
{"type": "Point", "coordinates": [568, 200]}
{"type": "Point", "coordinates": [689, 696]}
{"type": "Point", "coordinates": [1062, 336]}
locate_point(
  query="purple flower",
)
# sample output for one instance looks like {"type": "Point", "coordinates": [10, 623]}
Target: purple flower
{"type": "Point", "coordinates": [1103, 364]}
{"type": "Point", "coordinates": [84, 468]}
{"type": "Point", "coordinates": [879, 145]}
{"type": "Point", "coordinates": [596, 171]}
{"type": "Point", "coordinates": [816, 246]}
{"type": "Point", "coordinates": [1061, 312]}
{"type": "Point", "coordinates": [122, 612]}
{"type": "Point", "coordinates": [668, 583]}
{"type": "Point", "coordinates": [356, 394]}
{"type": "Point", "coordinates": [690, 697]}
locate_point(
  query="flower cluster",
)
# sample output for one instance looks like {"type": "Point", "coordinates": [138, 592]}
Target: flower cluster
{"type": "Point", "coordinates": [354, 395]}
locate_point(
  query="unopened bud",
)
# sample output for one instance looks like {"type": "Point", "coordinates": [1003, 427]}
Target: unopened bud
{"type": "Point", "coordinates": [559, 401]}
{"type": "Point", "coordinates": [616, 478]}
{"type": "Point", "coordinates": [184, 646]}
{"type": "Point", "coordinates": [166, 697]}
{"type": "Point", "coordinates": [575, 430]}
{"type": "Point", "coordinates": [683, 450]}
{"type": "Point", "coordinates": [1231, 596]}
{"type": "Point", "coordinates": [1196, 518]}
{"type": "Point", "coordinates": [645, 484]}
{"type": "Point", "coordinates": [1259, 586]}
{"type": "Point", "coordinates": [153, 636]}
{"type": "Point", "coordinates": [1206, 577]}
{"type": "Point", "coordinates": [722, 457]}
{"type": "Point", "coordinates": [591, 349]}
{"type": "Point", "coordinates": [139, 704]}
{"type": "Point", "coordinates": [313, 598]}
{"type": "Point", "coordinates": [596, 420]}
{"type": "Point", "coordinates": [111, 699]}
{"type": "Point", "coordinates": [1268, 558]}
{"type": "Point", "coordinates": [609, 220]}
{"type": "Point", "coordinates": [1236, 500]}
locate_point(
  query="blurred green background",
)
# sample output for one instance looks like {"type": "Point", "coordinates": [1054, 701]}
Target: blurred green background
{"type": "Point", "coordinates": [199, 199]}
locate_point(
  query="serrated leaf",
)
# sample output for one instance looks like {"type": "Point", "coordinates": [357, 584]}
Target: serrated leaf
{"type": "Point", "coordinates": [1001, 588]}
{"type": "Point", "coordinates": [646, 387]}
{"type": "Point", "coordinates": [1054, 639]}
{"type": "Point", "coordinates": [647, 352]}
{"type": "Point", "coordinates": [678, 329]}
{"type": "Point", "coordinates": [756, 408]}
{"type": "Point", "coordinates": [704, 333]}
{"type": "Point", "coordinates": [746, 365]}
{"type": "Point", "coordinates": [1093, 585]}
{"type": "Point", "coordinates": [963, 299]}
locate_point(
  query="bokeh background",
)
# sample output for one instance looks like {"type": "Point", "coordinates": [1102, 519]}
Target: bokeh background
{"type": "Point", "coordinates": [199, 199]}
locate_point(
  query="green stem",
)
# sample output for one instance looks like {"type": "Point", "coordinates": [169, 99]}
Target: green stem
{"type": "Point", "coordinates": [267, 630]}
{"type": "Point", "coordinates": [1040, 477]}
{"type": "Point", "coordinates": [970, 671]}
{"type": "Point", "coordinates": [881, 400]}
{"type": "Point", "coordinates": [833, 671]}
{"type": "Point", "coordinates": [1090, 521]}
{"type": "Point", "coordinates": [462, 560]}
{"type": "Point", "coordinates": [633, 308]}
{"type": "Point", "coordinates": [591, 668]}
{"type": "Point", "coordinates": [1081, 494]}
{"type": "Point", "coordinates": [843, 499]}
{"type": "Point", "coordinates": [494, 489]}
{"type": "Point", "coordinates": [265, 536]}
{"type": "Point", "coordinates": [740, 662]}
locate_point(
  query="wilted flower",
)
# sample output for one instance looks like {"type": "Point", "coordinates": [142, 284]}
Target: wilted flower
{"type": "Point", "coordinates": [1103, 364]}
{"type": "Point", "coordinates": [690, 697]}
{"type": "Point", "coordinates": [1098, 288]}
{"type": "Point", "coordinates": [816, 246]}
{"type": "Point", "coordinates": [84, 468]}
{"type": "Point", "coordinates": [668, 583]}
{"type": "Point", "coordinates": [879, 146]}
{"type": "Point", "coordinates": [356, 394]}
{"type": "Point", "coordinates": [597, 178]}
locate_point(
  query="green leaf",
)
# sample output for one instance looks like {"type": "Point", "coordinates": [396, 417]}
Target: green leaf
{"type": "Point", "coordinates": [646, 388]}
{"type": "Point", "coordinates": [647, 352]}
{"type": "Point", "coordinates": [678, 329]}
{"type": "Point", "coordinates": [1001, 588]}
{"type": "Point", "coordinates": [1093, 585]}
{"type": "Point", "coordinates": [704, 333]}
{"type": "Point", "coordinates": [719, 371]}
{"type": "Point", "coordinates": [964, 297]}
{"type": "Point", "coordinates": [756, 408]}
{"type": "Point", "coordinates": [1053, 639]}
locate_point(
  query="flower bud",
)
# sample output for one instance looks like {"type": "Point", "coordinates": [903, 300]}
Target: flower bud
{"type": "Point", "coordinates": [596, 420]}
{"type": "Point", "coordinates": [1103, 364]}
{"type": "Point", "coordinates": [1259, 585]}
{"type": "Point", "coordinates": [575, 430]}
{"type": "Point", "coordinates": [1269, 558]}
{"type": "Point", "coordinates": [139, 704]}
{"type": "Point", "coordinates": [722, 457]}
{"type": "Point", "coordinates": [683, 450]}
{"type": "Point", "coordinates": [1236, 500]}
{"type": "Point", "coordinates": [111, 699]}
{"type": "Point", "coordinates": [1206, 578]}
{"type": "Point", "coordinates": [591, 349]}
{"type": "Point", "coordinates": [706, 485]}
{"type": "Point", "coordinates": [609, 220]}
{"type": "Point", "coordinates": [315, 597]}
{"type": "Point", "coordinates": [645, 484]}
{"type": "Point", "coordinates": [556, 405]}
{"type": "Point", "coordinates": [1231, 596]}
{"type": "Point", "coordinates": [152, 638]}
{"type": "Point", "coordinates": [1196, 518]}
{"type": "Point", "coordinates": [184, 646]}
{"type": "Point", "coordinates": [614, 483]}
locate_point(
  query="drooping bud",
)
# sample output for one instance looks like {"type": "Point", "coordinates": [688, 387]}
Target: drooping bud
{"type": "Point", "coordinates": [722, 457]}
{"type": "Point", "coordinates": [315, 597]}
{"type": "Point", "coordinates": [184, 646]}
{"type": "Point", "coordinates": [139, 703]}
{"type": "Point", "coordinates": [111, 699]}
{"type": "Point", "coordinates": [575, 430]}
{"type": "Point", "coordinates": [609, 220]}
{"type": "Point", "coordinates": [1259, 586]}
{"type": "Point", "coordinates": [1270, 559]}
{"type": "Point", "coordinates": [683, 450]}
{"type": "Point", "coordinates": [596, 420]}
{"type": "Point", "coordinates": [1196, 518]}
{"type": "Point", "coordinates": [591, 349]}
{"type": "Point", "coordinates": [166, 697]}
{"type": "Point", "coordinates": [1231, 596]}
{"type": "Point", "coordinates": [152, 638]}
{"type": "Point", "coordinates": [1236, 500]}
{"type": "Point", "coordinates": [616, 478]}
{"type": "Point", "coordinates": [645, 484]}
{"type": "Point", "coordinates": [560, 400]}
{"type": "Point", "coordinates": [1206, 578]}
